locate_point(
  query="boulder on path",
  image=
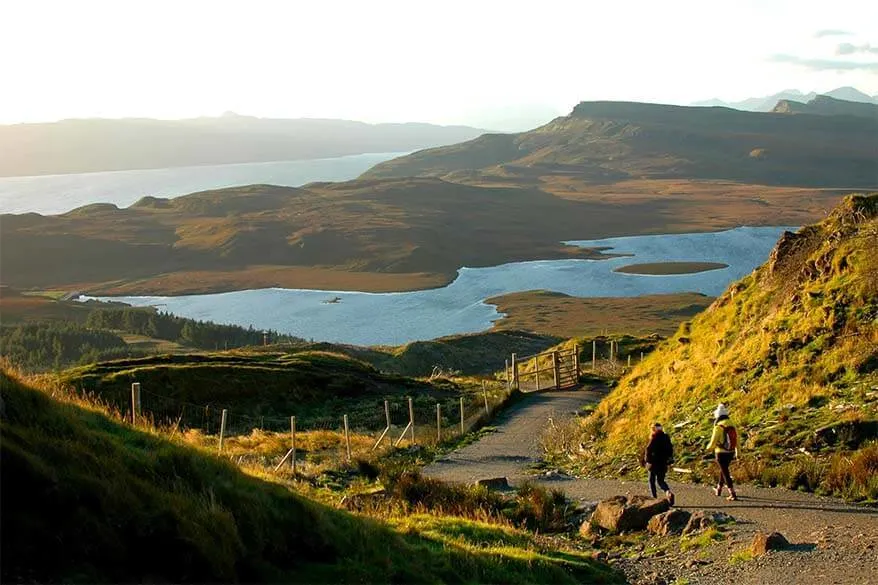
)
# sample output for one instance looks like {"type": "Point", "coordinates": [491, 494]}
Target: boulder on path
{"type": "Point", "coordinates": [620, 513]}
{"type": "Point", "coordinates": [762, 543]}
{"type": "Point", "coordinates": [494, 483]}
{"type": "Point", "coordinates": [700, 520]}
{"type": "Point", "coordinates": [670, 522]}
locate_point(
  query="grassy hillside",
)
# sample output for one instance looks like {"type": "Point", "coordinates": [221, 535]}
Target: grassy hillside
{"type": "Point", "coordinates": [254, 385]}
{"type": "Point", "coordinates": [792, 348]}
{"type": "Point", "coordinates": [612, 141]}
{"type": "Point", "coordinates": [88, 499]}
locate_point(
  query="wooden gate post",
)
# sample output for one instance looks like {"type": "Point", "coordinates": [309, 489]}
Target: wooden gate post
{"type": "Point", "coordinates": [412, 420]}
{"type": "Point", "coordinates": [223, 429]}
{"type": "Point", "coordinates": [594, 354]}
{"type": "Point", "coordinates": [629, 360]}
{"type": "Point", "coordinates": [515, 382]}
{"type": "Point", "coordinates": [387, 416]}
{"type": "Point", "coordinates": [135, 402]}
{"type": "Point", "coordinates": [347, 438]}
{"type": "Point", "coordinates": [438, 423]}
{"type": "Point", "coordinates": [576, 361]}
{"type": "Point", "coordinates": [485, 394]}
{"type": "Point", "coordinates": [293, 436]}
{"type": "Point", "coordinates": [556, 370]}
{"type": "Point", "coordinates": [461, 416]}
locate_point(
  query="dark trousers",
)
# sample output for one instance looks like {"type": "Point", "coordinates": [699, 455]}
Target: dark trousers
{"type": "Point", "coordinates": [657, 475]}
{"type": "Point", "coordinates": [725, 478]}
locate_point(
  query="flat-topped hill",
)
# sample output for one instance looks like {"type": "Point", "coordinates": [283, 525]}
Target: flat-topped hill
{"type": "Point", "coordinates": [611, 141]}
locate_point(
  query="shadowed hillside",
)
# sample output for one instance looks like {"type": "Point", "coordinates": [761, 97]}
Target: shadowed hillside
{"type": "Point", "coordinates": [89, 499]}
{"type": "Point", "coordinates": [792, 348]}
{"type": "Point", "coordinates": [611, 141]}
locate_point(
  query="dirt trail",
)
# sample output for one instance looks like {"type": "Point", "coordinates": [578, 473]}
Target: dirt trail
{"type": "Point", "coordinates": [834, 542]}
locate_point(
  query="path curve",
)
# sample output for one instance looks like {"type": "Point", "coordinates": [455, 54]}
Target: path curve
{"type": "Point", "coordinates": [835, 542]}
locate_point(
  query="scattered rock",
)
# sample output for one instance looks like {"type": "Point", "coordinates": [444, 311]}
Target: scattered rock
{"type": "Point", "coordinates": [585, 507]}
{"type": "Point", "coordinates": [652, 579]}
{"type": "Point", "coordinates": [590, 531]}
{"type": "Point", "coordinates": [762, 543]}
{"type": "Point", "coordinates": [555, 474]}
{"type": "Point", "coordinates": [701, 520]}
{"type": "Point", "coordinates": [670, 522]}
{"type": "Point", "coordinates": [363, 501]}
{"type": "Point", "coordinates": [494, 483]}
{"type": "Point", "coordinates": [621, 513]}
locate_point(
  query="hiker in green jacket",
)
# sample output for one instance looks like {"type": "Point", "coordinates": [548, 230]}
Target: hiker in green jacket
{"type": "Point", "coordinates": [724, 444]}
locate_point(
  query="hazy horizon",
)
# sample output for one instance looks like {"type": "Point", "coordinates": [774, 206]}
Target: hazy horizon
{"type": "Point", "coordinates": [492, 65]}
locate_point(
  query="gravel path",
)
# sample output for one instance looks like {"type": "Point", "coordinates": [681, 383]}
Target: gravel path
{"type": "Point", "coordinates": [834, 542]}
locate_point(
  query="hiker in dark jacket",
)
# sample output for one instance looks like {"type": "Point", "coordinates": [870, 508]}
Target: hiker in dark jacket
{"type": "Point", "coordinates": [658, 455]}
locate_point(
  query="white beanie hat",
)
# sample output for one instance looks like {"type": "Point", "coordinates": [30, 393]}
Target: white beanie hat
{"type": "Point", "coordinates": [721, 410]}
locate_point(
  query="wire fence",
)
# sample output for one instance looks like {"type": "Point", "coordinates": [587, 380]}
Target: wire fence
{"type": "Point", "coordinates": [317, 437]}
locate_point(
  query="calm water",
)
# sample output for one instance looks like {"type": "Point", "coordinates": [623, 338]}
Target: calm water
{"type": "Point", "coordinates": [395, 318]}
{"type": "Point", "coordinates": [52, 194]}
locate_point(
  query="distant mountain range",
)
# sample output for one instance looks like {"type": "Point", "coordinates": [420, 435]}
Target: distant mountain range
{"type": "Point", "coordinates": [612, 141]}
{"type": "Point", "coordinates": [823, 105]}
{"type": "Point", "coordinates": [767, 103]}
{"type": "Point", "coordinates": [87, 145]}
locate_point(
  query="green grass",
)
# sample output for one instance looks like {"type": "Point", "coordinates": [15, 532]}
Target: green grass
{"type": "Point", "coordinates": [702, 540]}
{"type": "Point", "coordinates": [90, 499]}
{"type": "Point", "coordinates": [741, 556]}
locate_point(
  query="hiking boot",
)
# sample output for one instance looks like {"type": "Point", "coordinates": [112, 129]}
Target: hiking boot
{"type": "Point", "coordinates": [718, 491]}
{"type": "Point", "coordinates": [733, 497]}
{"type": "Point", "coordinates": [670, 496]}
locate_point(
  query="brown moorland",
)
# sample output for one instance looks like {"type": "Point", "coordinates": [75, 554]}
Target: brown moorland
{"type": "Point", "coordinates": [553, 313]}
{"type": "Point", "coordinates": [375, 235]}
{"type": "Point", "coordinates": [666, 268]}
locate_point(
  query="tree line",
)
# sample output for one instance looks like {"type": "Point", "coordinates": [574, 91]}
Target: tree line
{"type": "Point", "coordinates": [50, 345]}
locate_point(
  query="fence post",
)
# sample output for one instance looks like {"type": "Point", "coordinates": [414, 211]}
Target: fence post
{"type": "Point", "coordinates": [537, 371]}
{"type": "Point", "coordinates": [629, 360]}
{"type": "Point", "coordinates": [461, 416]}
{"type": "Point", "coordinates": [485, 394]}
{"type": "Point", "coordinates": [223, 428]}
{"type": "Point", "coordinates": [576, 361]}
{"type": "Point", "coordinates": [387, 416]}
{"type": "Point", "coordinates": [412, 420]}
{"type": "Point", "coordinates": [135, 402]}
{"type": "Point", "coordinates": [515, 373]}
{"type": "Point", "coordinates": [506, 372]}
{"type": "Point", "coordinates": [641, 357]}
{"type": "Point", "coordinates": [594, 354]}
{"type": "Point", "coordinates": [293, 435]}
{"type": "Point", "coordinates": [347, 438]}
{"type": "Point", "coordinates": [438, 423]}
{"type": "Point", "coordinates": [556, 370]}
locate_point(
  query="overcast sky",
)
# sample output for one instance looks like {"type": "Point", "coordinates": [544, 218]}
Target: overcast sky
{"type": "Point", "coordinates": [447, 62]}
